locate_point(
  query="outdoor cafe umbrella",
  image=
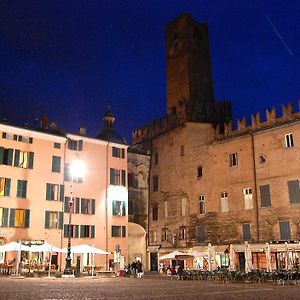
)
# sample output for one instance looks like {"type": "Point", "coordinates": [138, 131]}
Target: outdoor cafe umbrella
{"type": "Point", "coordinates": [231, 258]}
{"type": "Point", "coordinates": [174, 255]}
{"type": "Point", "coordinates": [268, 258]}
{"type": "Point", "coordinates": [46, 248]}
{"type": "Point", "coordinates": [287, 256]}
{"type": "Point", "coordinates": [84, 248]}
{"type": "Point", "coordinates": [211, 257]}
{"type": "Point", "coordinates": [248, 258]}
{"type": "Point", "coordinates": [14, 246]}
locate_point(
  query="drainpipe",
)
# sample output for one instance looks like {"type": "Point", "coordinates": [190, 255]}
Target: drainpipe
{"type": "Point", "coordinates": [106, 208]}
{"type": "Point", "coordinates": [255, 188]}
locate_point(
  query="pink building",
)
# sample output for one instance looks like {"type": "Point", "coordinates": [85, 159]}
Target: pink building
{"type": "Point", "coordinates": [36, 187]}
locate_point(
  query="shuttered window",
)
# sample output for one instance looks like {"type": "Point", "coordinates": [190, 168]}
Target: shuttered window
{"type": "Point", "coordinates": [285, 231]}
{"type": "Point", "coordinates": [19, 218]}
{"type": "Point", "coordinates": [55, 192]}
{"type": "Point", "coordinates": [201, 234]}
{"type": "Point", "coordinates": [265, 195]}
{"type": "Point", "coordinates": [21, 188]}
{"type": "Point", "coordinates": [5, 186]}
{"type": "Point", "coordinates": [3, 217]}
{"type": "Point", "coordinates": [294, 191]}
{"type": "Point", "coordinates": [6, 156]}
{"type": "Point", "coordinates": [246, 232]}
{"type": "Point", "coordinates": [56, 164]}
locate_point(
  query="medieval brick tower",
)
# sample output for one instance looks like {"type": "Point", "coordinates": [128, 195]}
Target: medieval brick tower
{"type": "Point", "coordinates": [189, 76]}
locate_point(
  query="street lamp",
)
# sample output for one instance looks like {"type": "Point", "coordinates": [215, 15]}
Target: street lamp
{"type": "Point", "coordinates": [77, 169]}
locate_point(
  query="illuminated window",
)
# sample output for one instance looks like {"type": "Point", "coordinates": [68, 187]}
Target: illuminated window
{"type": "Point", "coordinates": [4, 186]}
{"type": "Point", "coordinates": [55, 192]}
{"type": "Point", "coordinates": [53, 220]}
{"type": "Point", "coordinates": [19, 218]}
{"type": "Point", "coordinates": [23, 159]}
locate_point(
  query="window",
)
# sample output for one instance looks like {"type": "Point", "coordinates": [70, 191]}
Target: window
{"type": "Point", "coordinates": [265, 195]}
{"type": "Point", "coordinates": [224, 202]}
{"type": "Point", "coordinates": [75, 145]}
{"type": "Point", "coordinates": [57, 145]}
{"type": "Point", "coordinates": [233, 159]}
{"type": "Point", "coordinates": [54, 192]}
{"type": "Point", "coordinates": [247, 192]}
{"type": "Point", "coordinates": [23, 159]}
{"type": "Point", "coordinates": [183, 207]}
{"type": "Point", "coordinates": [155, 183]}
{"type": "Point", "coordinates": [118, 231]}
{"type": "Point", "coordinates": [88, 206]}
{"type": "Point", "coordinates": [5, 186]}
{"type": "Point", "coordinates": [118, 152]}
{"type": "Point", "coordinates": [3, 217]}
{"type": "Point", "coordinates": [289, 141]}
{"type": "Point", "coordinates": [87, 231]}
{"type": "Point", "coordinates": [53, 219]}
{"type": "Point", "coordinates": [201, 234]}
{"type": "Point", "coordinates": [130, 207]}
{"type": "Point", "coordinates": [21, 188]}
{"type": "Point", "coordinates": [199, 172]}
{"type": "Point", "coordinates": [164, 234]}
{"type": "Point", "coordinates": [72, 230]}
{"type": "Point", "coordinates": [294, 191]}
{"type": "Point", "coordinates": [118, 208]}
{"type": "Point", "coordinates": [156, 158]}
{"type": "Point", "coordinates": [285, 230]}
{"type": "Point", "coordinates": [182, 233]}
{"type": "Point", "coordinates": [202, 204]}
{"type": "Point", "coordinates": [15, 137]}
{"type": "Point", "coordinates": [56, 164]}
{"type": "Point", "coordinates": [182, 150]}
{"type": "Point", "coordinates": [6, 156]}
{"type": "Point", "coordinates": [115, 177]}
{"type": "Point", "coordinates": [165, 209]}
{"type": "Point", "coordinates": [246, 232]}
{"type": "Point", "coordinates": [19, 218]}
{"type": "Point", "coordinates": [155, 213]}
{"type": "Point", "coordinates": [74, 206]}
{"type": "Point", "coordinates": [153, 235]}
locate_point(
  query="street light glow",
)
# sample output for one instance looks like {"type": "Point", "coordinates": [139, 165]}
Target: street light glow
{"type": "Point", "coordinates": [78, 168]}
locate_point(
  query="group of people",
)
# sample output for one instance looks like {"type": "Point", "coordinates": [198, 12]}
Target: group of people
{"type": "Point", "coordinates": [171, 270]}
{"type": "Point", "coordinates": [136, 269]}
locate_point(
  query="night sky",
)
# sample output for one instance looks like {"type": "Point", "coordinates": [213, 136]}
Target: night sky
{"type": "Point", "coordinates": [70, 59]}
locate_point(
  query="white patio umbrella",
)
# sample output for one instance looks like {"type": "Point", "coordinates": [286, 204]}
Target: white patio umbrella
{"type": "Point", "coordinates": [210, 256]}
{"type": "Point", "coordinates": [84, 248]}
{"type": "Point", "coordinates": [248, 258]}
{"type": "Point", "coordinates": [231, 258]}
{"type": "Point", "coordinates": [268, 258]}
{"type": "Point", "coordinates": [46, 248]}
{"type": "Point", "coordinates": [174, 255]}
{"type": "Point", "coordinates": [287, 256]}
{"type": "Point", "coordinates": [14, 246]}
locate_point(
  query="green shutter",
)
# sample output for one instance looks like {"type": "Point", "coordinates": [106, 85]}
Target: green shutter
{"type": "Point", "coordinates": [123, 208]}
{"type": "Point", "coordinates": [123, 153]}
{"type": "Point", "coordinates": [123, 231]}
{"type": "Point", "coordinates": [114, 207]}
{"type": "Point", "coordinates": [7, 187]}
{"type": "Point", "coordinates": [82, 206]}
{"type": "Point", "coordinates": [61, 220]}
{"type": "Point", "coordinates": [65, 231]}
{"type": "Point", "coordinates": [77, 205]}
{"type": "Point", "coordinates": [1, 155]}
{"type": "Point", "coordinates": [5, 217]}
{"type": "Point", "coordinates": [76, 231]}
{"type": "Point", "coordinates": [48, 191]}
{"type": "Point", "coordinates": [93, 206]}
{"type": "Point", "coordinates": [62, 192]}
{"type": "Point", "coordinates": [27, 218]}
{"type": "Point", "coordinates": [17, 158]}
{"type": "Point", "coordinates": [31, 155]}
{"type": "Point", "coordinates": [19, 188]}
{"type": "Point", "coordinates": [67, 203]}
{"type": "Point", "coordinates": [82, 231]}
{"type": "Point", "coordinates": [92, 231]}
{"type": "Point", "coordinates": [10, 156]}
{"type": "Point", "coordinates": [112, 176]}
{"type": "Point", "coordinates": [80, 145]}
{"type": "Point", "coordinates": [24, 185]}
{"type": "Point", "coordinates": [12, 217]}
{"type": "Point", "coordinates": [47, 219]}
{"type": "Point", "coordinates": [123, 177]}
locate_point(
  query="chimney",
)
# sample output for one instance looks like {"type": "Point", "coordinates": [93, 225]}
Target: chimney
{"type": "Point", "coordinates": [82, 131]}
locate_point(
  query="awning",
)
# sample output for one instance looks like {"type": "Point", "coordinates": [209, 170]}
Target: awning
{"type": "Point", "coordinates": [221, 249]}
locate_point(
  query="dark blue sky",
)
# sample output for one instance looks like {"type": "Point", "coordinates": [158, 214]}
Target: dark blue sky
{"type": "Point", "coordinates": [69, 59]}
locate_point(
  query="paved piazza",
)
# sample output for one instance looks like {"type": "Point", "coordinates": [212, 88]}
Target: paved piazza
{"type": "Point", "coordinates": [151, 287]}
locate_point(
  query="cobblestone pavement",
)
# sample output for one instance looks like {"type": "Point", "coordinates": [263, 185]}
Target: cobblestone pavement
{"type": "Point", "coordinates": [131, 288]}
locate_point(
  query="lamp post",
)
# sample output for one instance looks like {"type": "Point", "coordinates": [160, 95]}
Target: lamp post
{"type": "Point", "coordinates": [77, 169]}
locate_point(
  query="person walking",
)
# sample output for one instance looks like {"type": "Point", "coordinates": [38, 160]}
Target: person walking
{"type": "Point", "coordinates": [139, 268]}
